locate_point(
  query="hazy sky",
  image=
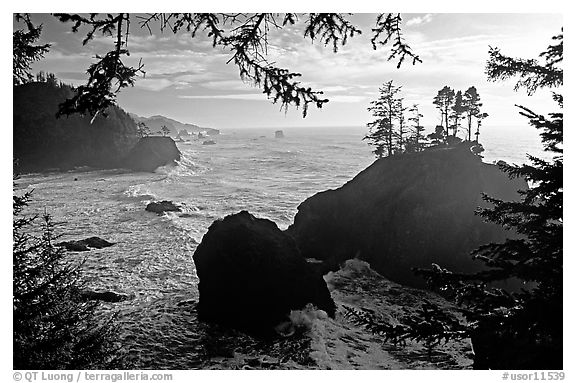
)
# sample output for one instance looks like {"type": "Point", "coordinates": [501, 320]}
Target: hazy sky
{"type": "Point", "coordinates": [188, 80]}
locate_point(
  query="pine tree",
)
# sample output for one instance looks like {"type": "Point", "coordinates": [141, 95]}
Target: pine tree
{"type": "Point", "coordinates": [386, 111]}
{"type": "Point", "coordinates": [165, 130]}
{"type": "Point", "coordinates": [400, 135]}
{"type": "Point", "coordinates": [472, 104]}
{"type": "Point", "coordinates": [437, 137]}
{"type": "Point", "coordinates": [444, 101]}
{"type": "Point", "coordinates": [24, 52]}
{"type": "Point", "coordinates": [457, 109]}
{"type": "Point", "coordinates": [54, 328]}
{"type": "Point", "coordinates": [416, 141]}
{"type": "Point", "coordinates": [143, 129]}
{"type": "Point", "coordinates": [479, 118]}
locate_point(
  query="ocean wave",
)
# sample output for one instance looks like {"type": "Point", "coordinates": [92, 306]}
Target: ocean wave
{"type": "Point", "coordinates": [185, 167]}
{"type": "Point", "coordinates": [141, 191]}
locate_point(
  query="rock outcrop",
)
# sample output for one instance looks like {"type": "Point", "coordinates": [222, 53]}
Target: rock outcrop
{"type": "Point", "coordinates": [152, 152]}
{"type": "Point", "coordinates": [105, 296]}
{"type": "Point", "coordinates": [279, 134]}
{"type": "Point", "coordinates": [252, 275]}
{"type": "Point", "coordinates": [406, 211]}
{"type": "Point", "coordinates": [85, 244]}
{"type": "Point", "coordinates": [162, 206]}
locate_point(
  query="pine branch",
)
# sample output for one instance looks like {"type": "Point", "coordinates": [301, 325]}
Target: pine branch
{"type": "Point", "coordinates": [389, 27]}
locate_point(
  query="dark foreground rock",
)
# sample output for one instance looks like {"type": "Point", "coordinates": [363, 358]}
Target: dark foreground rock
{"type": "Point", "coordinates": [85, 244]}
{"type": "Point", "coordinates": [406, 211]}
{"type": "Point", "coordinates": [252, 275]}
{"type": "Point", "coordinates": [152, 152]}
{"type": "Point", "coordinates": [162, 206]}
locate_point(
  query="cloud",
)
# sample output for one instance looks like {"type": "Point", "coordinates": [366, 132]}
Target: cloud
{"type": "Point", "coordinates": [239, 96]}
{"type": "Point", "coordinates": [154, 84]}
{"type": "Point", "coordinates": [347, 99]}
{"type": "Point", "coordinates": [419, 20]}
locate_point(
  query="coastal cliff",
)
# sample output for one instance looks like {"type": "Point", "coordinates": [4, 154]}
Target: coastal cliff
{"type": "Point", "coordinates": [42, 141]}
{"type": "Point", "coordinates": [406, 211]}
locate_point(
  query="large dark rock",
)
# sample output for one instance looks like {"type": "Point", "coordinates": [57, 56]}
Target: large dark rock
{"type": "Point", "coordinates": [406, 211]}
{"type": "Point", "coordinates": [252, 275]}
{"type": "Point", "coordinates": [152, 152]}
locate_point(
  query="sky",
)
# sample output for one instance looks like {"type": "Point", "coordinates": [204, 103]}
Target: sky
{"type": "Point", "coordinates": [189, 80]}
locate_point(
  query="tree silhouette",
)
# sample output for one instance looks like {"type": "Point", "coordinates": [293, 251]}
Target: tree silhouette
{"type": "Point", "coordinates": [245, 35]}
{"type": "Point", "coordinates": [386, 110]}
{"type": "Point", "coordinates": [142, 129]}
{"type": "Point", "coordinates": [400, 134]}
{"type": "Point", "coordinates": [444, 101]}
{"type": "Point", "coordinates": [54, 328]}
{"type": "Point", "coordinates": [24, 52]}
{"type": "Point", "coordinates": [457, 109]}
{"type": "Point", "coordinates": [479, 119]}
{"type": "Point", "coordinates": [416, 141]}
{"type": "Point", "coordinates": [472, 104]}
{"type": "Point", "coordinates": [165, 130]}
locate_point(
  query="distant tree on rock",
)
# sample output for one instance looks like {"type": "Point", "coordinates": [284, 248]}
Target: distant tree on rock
{"type": "Point", "coordinates": [165, 131]}
{"type": "Point", "coordinates": [416, 140]}
{"type": "Point", "coordinates": [438, 137]}
{"type": "Point", "coordinates": [458, 108]}
{"type": "Point", "coordinates": [444, 101]}
{"type": "Point", "coordinates": [402, 128]}
{"type": "Point", "coordinates": [472, 104]}
{"type": "Point", "coordinates": [386, 111]}
{"type": "Point", "coordinates": [143, 129]}
{"type": "Point", "coordinates": [479, 118]}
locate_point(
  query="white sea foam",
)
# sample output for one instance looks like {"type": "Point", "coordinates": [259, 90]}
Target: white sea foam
{"type": "Point", "coordinates": [140, 191]}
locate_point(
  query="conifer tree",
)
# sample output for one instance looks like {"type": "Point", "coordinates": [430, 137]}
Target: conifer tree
{"type": "Point", "coordinates": [437, 137]}
{"type": "Point", "coordinates": [444, 101]}
{"type": "Point", "coordinates": [472, 104]}
{"type": "Point", "coordinates": [479, 118]}
{"type": "Point", "coordinates": [142, 129]}
{"type": "Point", "coordinates": [165, 130]}
{"type": "Point", "coordinates": [400, 135]}
{"type": "Point", "coordinates": [54, 327]}
{"type": "Point", "coordinates": [24, 52]}
{"type": "Point", "coordinates": [417, 139]}
{"type": "Point", "coordinates": [457, 109]}
{"type": "Point", "coordinates": [385, 110]}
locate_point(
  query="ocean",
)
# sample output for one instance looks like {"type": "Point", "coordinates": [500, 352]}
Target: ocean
{"type": "Point", "coordinates": [247, 169]}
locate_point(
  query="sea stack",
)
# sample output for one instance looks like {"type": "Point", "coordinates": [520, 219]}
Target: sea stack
{"type": "Point", "coordinates": [407, 211]}
{"type": "Point", "coordinates": [279, 134]}
{"type": "Point", "coordinates": [152, 152]}
{"type": "Point", "coordinates": [252, 275]}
